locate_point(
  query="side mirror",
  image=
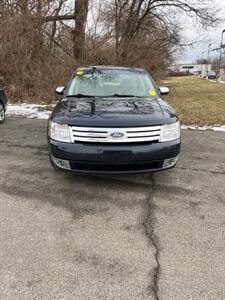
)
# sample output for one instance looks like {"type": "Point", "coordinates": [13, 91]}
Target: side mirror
{"type": "Point", "coordinates": [59, 90]}
{"type": "Point", "coordinates": [164, 90]}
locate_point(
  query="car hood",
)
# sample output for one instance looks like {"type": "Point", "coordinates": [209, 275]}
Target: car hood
{"type": "Point", "coordinates": [113, 112]}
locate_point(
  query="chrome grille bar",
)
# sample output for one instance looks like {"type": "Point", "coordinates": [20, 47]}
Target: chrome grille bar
{"type": "Point", "coordinates": [115, 135]}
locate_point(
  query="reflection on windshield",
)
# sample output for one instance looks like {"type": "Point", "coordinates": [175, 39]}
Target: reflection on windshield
{"type": "Point", "coordinates": [111, 83]}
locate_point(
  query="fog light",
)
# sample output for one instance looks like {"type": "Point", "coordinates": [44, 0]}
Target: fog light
{"type": "Point", "coordinates": [170, 162]}
{"type": "Point", "coordinates": [61, 163]}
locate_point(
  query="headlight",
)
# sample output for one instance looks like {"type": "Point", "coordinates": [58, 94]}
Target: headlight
{"type": "Point", "coordinates": [170, 132]}
{"type": "Point", "coordinates": [59, 132]}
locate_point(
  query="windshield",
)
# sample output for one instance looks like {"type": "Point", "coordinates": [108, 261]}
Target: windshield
{"type": "Point", "coordinates": [111, 83]}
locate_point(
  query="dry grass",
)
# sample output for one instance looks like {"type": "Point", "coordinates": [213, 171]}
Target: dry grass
{"type": "Point", "coordinates": [196, 100]}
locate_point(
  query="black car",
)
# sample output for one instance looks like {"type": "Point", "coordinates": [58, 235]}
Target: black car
{"type": "Point", "coordinates": [212, 75]}
{"type": "Point", "coordinates": [113, 120]}
{"type": "Point", "coordinates": [3, 105]}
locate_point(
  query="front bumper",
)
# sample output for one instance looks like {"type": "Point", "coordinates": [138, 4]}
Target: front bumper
{"type": "Point", "coordinates": [93, 158]}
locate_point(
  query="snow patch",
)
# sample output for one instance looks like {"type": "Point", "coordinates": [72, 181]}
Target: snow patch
{"type": "Point", "coordinates": [217, 81]}
{"type": "Point", "coordinates": [29, 111]}
{"type": "Point", "coordinates": [203, 128]}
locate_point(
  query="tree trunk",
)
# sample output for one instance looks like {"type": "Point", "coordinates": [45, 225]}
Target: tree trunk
{"type": "Point", "coordinates": [23, 6]}
{"type": "Point", "coordinates": [78, 35]}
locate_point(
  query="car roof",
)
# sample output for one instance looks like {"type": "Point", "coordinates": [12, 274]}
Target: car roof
{"type": "Point", "coordinates": [112, 67]}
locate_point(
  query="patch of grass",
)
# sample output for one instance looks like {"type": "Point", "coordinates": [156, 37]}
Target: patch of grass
{"type": "Point", "coordinates": [196, 100]}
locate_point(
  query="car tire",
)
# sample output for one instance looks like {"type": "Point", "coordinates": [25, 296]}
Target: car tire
{"type": "Point", "coordinates": [2, 112]}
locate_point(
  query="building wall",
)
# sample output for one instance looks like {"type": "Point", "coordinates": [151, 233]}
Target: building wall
{"type": "Point", "coordinates": [192, 68]}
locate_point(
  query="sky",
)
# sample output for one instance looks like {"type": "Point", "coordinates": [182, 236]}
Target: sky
{"type": "Point", "coordinates": [202, 37]}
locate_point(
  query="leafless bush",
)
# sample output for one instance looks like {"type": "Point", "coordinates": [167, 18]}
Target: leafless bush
{"type": "Point", "coordinates": [30, 63]}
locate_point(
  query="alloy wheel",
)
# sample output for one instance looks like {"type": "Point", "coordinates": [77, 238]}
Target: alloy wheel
{"type": "Point", "coordinates": [2, 113]}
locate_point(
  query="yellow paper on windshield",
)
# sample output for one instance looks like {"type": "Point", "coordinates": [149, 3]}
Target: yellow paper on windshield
{"type": "Point", "coordinates": [152, 93]}
{"type": "Point", "coordinates": [80, 73]}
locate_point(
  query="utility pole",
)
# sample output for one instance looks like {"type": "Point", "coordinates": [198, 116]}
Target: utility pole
{"type": "Point", "coordinates": [202, 63]}
{"type": "Point", "coordinates": [208, 59]}
{"type": "Point", "coordinates": [221, 52]}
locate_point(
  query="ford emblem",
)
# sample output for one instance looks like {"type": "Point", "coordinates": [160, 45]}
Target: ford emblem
{"type": "Point", "coordinates": [117, 135]}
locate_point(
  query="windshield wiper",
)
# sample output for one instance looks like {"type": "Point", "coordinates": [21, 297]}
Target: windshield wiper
{"type": "Point", "coordinates": [121, 96]}
{"type": "Point", "coordinates": [80, 96]}
{"type": "Point", "coordinates": [107, 96]}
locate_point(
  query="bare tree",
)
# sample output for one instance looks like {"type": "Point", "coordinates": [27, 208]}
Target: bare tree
{"type": "Point", "coordinates": [130, 15]}
{"type": "Point", "coordinates": [79, 16]}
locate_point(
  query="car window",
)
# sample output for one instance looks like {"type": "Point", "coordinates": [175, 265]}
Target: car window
{"type": "Point", "coordinates": [105, 83]}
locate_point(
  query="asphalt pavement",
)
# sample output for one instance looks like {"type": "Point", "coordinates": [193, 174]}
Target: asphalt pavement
{"type": "Point", "coordinates": [145, 237]}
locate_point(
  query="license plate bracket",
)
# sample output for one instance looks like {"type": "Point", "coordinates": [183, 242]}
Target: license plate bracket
{"type": "Point", "coordinates": [117, 156]}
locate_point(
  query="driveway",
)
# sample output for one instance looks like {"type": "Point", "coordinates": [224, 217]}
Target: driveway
{"type": "Point", "coordinates": [134, 238]}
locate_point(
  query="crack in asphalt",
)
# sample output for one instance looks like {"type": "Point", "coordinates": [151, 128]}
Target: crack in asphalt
{"type": "Point", "coordinates": [150, 232]}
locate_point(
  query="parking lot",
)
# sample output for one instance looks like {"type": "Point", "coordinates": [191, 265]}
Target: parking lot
{"type": "Point", "coordinates": [64, 236]}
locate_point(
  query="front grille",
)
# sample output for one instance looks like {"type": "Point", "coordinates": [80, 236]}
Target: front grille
{"type": "Point", "coordinates": [115, 135]}
{"type": "Point", "coordinates": [115, 167]}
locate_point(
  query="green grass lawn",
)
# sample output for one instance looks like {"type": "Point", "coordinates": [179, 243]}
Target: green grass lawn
{"type": "Point", "coordinates": [196, 100]}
